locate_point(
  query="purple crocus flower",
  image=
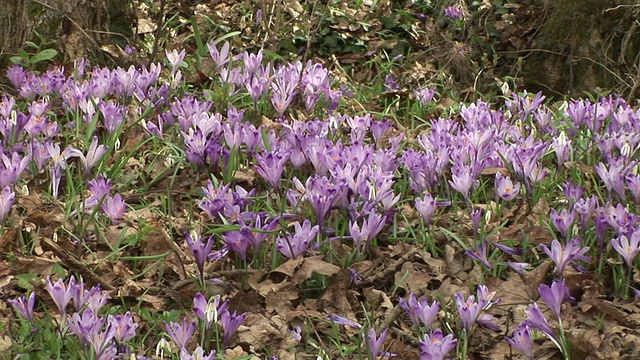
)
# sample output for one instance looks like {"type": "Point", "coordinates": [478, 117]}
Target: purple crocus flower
{"type": "Point", "coordinates": [296, 333]}
{"type": "Point", "coordinates": [435, 346]}
{"type": "Point", "coordinates": [61, 293]}
{"type": "Point", "coordinates": [627, 247]}
{"type": "Point", "coordinates": [633, 183]}
{"type": "Point", "coordinates": [124, 326]}
{"type": "Point", "coordinates": [209, 311]}
{"type": "Point", "coordinates": [99, 187]}
{"type": "Point", "coordinates": [476, 217]}
{"type": "Point", "coordinates": [419, 310]}
{"type": "Point", "coordinates": [230, 324]}
{"type": "Point", "coordinates": [200, 250]}
{"type": "Point", "coordinates": [7, 196]}
{"type": "Point", "coordinates": [294, 245]}
{"type": "Point", "coordinates": [453, 12]}
{"type": "Point", "coordinates": [426, 206]}
{"type": "Point", "coordinates": [562, 221]}
{"type": "Point", "coordinates": [462, 181]}
{"type": "Point", "coordinates": [94, 154]}
{"type": "Point", "coordinates": [114, 207]}
{"type": "Point", "coordinates": [237, 242]}
{"type": "Point", "coordinates": [96, 299]}
{"type": "Point", "coordinates": [181, 333]}
{"type": "Point", "coordinates": [16, 74]}
{"type": "Point", "coordinates": [219, 57]}
{"type": "Point", "coordinates": [271, 165]}
{"type": "Point", "coordinates": [522, 341]}
{"type": "Point", "coordinates": [102, 344]}
{"type": "Point", "coordinates": [175, 58]}
{"type": "Point", "coordinates": [11, 168]}
{"type": "Point", "coordinates": [585, 207]}
{"type": "Point", "coordinates": [507, 249]}
{"type": "Point", "coordinates": [391, 83]}
{"type": "Point", "coordinates": [505, 188]}
{"type": "Point", "coordinates": [371, 226]}
{"type": "Point", "coordinates": [113, 114]}
{"type": "Point", "coordinates": [519, 267]}
{"type": "Point", "coordinates": [424, 95]}
{"type": "Point", "coordinates": [573, 192]}
{"type": "Point", "coordinates": [24, 305]}
{"type": "Point", "coordinates": [198, 354]}
{"type": "Point", "coordinates": [613, 177]}
{"type": "Point", "coordinates": [562, 256]}
{"type": "Point", "coordinates": [85, 325]}
{"type": "Point", "coordinates": [480, 254]}
{"type": "Point", "coordinates": [375, 342]}
{"type": "Point", "coordinates": [555, 295]}
{"type": "Point", "coordinates": [470, 309]}
{"type": "Point", "coordinates": [284, 86]}
{"type": "Point", "coordinates": [534, 319]}
{"type": "Point", "coordinates": [561, 145]}
{"type": "Point", "coordinates": [343, 321]}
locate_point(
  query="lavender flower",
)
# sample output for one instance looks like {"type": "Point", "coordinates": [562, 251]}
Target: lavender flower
{"type": "Point", "coordinates": [61, 293]}
{"type": "Point", "coordinates": [198, 354]}
{"type": "Point", "coordinates": [371, 226]}
{"type": "Point", "coordinates": [555, 295]}
{"type": "Point", "coordinates": [181, 333]}
{"type": "Point", "coordinates": [294, 245]}
{"type": "Point", "coordinates": [522, 341]}
{"type": "Point", "coordinates": [505, 188]}
{"type": "Point", "coordinates": [85, 325]}
{"type": "Point", "coordinates": [200, 250]}
{"type": "Point", "coordinates": [343, 321]}
{"type": "Point", "coordinates": [271, 165]}
{"type": "Point", "coordinates": [462, 181]}
{"type": "Point", "coordinates": [112, 114]}
{"type": "Point", "coordinates": [420, 311]}
{"type": "Point", "coordinates": [124, 326]}
{"type": "Point", "coordinates": [7, 197]}
{"type": "Point", "coordinates": [237, 242]}
{"type": "Point", "coordinates": [480, 254]}
{"type": "Point", "coordinates": [391, 83]}
{"type": "Point", "coordinates": [562, 256]}
{"type": "Point", "coordinates": [470, 309]}
{"type": "Point", "coordinates": [435, 346]}
{"type": "Point", "coordinates": [209, 311]}
{"type": "Point", "coordinates": [561, 145]}
{"type": "Point", "coordinates": [613, 177]}
{"type": "Point", "coordinates": [453, 12]}
{"type": "Point", "coordinates": [424, 95]}
{"type": "Point", "coordinates": [219, 57]}
{"type": "Point", "coordinates": [519, 267]}
{"type": "Point", "coordinates": [296, 333]}
{"type": "Point", "coordinates": [230, 324]}
{"type": "Point", "coordinates": [563, 220]}
{"type": "Point", "coordinates": [627, 247]}
{"type": "Point", "coordinates": [375, 342]}
{"type": "Point", "coordinates": [24, 306]}
{"type": "Point", "coordinates": [426, 206]}
{"type": "Point", "coordinates": [114, 207]}
{"type": "Point", "coordinates": [534, 319]}
{"type": "Point", "coordinates": [94, 154]}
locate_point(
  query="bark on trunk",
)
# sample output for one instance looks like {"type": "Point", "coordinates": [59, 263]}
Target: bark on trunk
{"type": "Point", "coordinates": [79, 27]}
{"type": "Point", "coordinates": [586, 46]}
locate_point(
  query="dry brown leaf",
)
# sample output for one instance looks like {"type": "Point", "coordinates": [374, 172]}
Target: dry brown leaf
{"type": "Point", "coordinates": [280, 301]}
{"type": "Point", "coordinates": [410, 278]}
{"type": "Point", "coordinates": [314, 264]}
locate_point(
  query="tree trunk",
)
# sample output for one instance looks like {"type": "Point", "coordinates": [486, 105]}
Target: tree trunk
{"type": "Point", "coordinates": [77, 27]}
{"type": "Point", "coordinates": [586, 46]}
